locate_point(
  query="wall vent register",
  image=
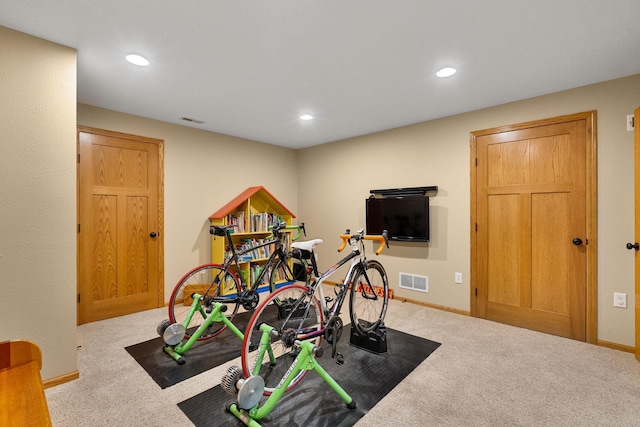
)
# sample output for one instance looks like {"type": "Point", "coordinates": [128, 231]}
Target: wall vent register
{"type": "Point", "coordinates": [414, 282]}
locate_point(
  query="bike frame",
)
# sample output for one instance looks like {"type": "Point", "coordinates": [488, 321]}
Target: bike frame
{"type": "Point", "coordinates": [356, 260]}
{"type": "Point", "coordinates": [272, 260]}
{"type": "Point", "coordinates": [334, 310]}
{"type": "Point", "coordinates": [235, 261]}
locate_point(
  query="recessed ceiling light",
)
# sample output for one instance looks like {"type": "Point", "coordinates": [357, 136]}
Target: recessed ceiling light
{"type": "Point", "coordinates": [137, 60]}
{"type": "Point", "coordinates": [306, 117]}
{"type": "Point", "coordinates": [446, 72]}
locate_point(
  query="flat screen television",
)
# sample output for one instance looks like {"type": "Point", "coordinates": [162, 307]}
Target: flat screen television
{"type": "Point", "coordinates": [405, 218]}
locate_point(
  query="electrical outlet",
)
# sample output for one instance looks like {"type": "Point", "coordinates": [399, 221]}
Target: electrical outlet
{"type": "Point", "coordinates": [630, 122]}
{"type": "Point", "coordinates": [458, 277]}
{"type": "Point", "coordinates": [619, 300]}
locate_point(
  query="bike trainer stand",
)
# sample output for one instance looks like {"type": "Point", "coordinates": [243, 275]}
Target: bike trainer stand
{"type": "Point", "coordinates": [375, 341]}
{"type": "Point", "coordinates": [250, 390]}
{"type": "Point", "coordinates": [173, 334]}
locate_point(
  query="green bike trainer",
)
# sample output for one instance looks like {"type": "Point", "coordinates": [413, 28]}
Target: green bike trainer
{"type": "Point", "coordinates": [250, 391]}
{"type": "Point", "coordinates": [174, 334]}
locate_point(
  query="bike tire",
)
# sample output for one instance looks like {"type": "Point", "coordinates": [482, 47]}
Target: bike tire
{"type": "Point", "coordinates": [366, 307]}
{"type": "Point", "coordinates": [205, 280]}
{"type": "Point", "coordinates": [289, 310]}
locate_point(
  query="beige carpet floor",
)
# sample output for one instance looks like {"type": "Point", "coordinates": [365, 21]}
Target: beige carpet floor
{"type": "Point", "coordinates": [483, 374]}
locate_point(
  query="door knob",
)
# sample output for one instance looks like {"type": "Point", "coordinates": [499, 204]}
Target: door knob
{"type": "Point", "coordinates": [577, 241]}
{"type": "Point", "coordinates": [152, 234]}
{"type": "Point", "coordinates": [633, 246]}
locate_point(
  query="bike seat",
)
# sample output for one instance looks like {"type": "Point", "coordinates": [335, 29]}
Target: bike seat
{"type": "Point", "coordinates": [307, 245]}
{"type": "Point", "coordinates": [303, 250]}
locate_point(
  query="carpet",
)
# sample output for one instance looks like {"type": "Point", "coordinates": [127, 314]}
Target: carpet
{"type": "Point", "coordinates": [367, 377]}
{"type": "Point", "coordinates": [204, 355]}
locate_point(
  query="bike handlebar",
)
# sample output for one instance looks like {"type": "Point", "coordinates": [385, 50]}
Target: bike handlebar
{"type": "Point", "coordinates": [299, 227]}
{"type": "Point", "coordinates": [382, 238]}
{"type": "Point", "coordinates": [222, 230]}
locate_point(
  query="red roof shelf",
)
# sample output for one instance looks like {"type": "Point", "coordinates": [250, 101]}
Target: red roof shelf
{"type": "Point", "coordinates": [259, 192]}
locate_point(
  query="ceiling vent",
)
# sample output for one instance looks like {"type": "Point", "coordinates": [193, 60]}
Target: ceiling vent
{"type": "Point", "coordinates": [187, 119]}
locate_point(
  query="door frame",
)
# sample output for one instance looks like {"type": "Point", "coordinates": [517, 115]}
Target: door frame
{"type": "Point", "coordinates": [160, 146]}
{"type": "Point", "coordinates": [636, 172]}
{"type": "Point", "coordinates": [591, 202]}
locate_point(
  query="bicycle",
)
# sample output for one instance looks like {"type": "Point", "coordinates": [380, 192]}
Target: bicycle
{"type": "Point", "coordinates": [200, 302]}
{"type": "Point", "coordinates": [296, 314]}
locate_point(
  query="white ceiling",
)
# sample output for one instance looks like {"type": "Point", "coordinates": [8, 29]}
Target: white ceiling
{"type": "Point", "coordinates": [250, 68]}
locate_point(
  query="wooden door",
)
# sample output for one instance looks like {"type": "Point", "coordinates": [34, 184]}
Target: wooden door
{"type": "Point", "coordinates": [120, 224]}
{"type": "Point", "coordinates": [636, 143]}
{"type": "Point", "coordinates": [533, 225]}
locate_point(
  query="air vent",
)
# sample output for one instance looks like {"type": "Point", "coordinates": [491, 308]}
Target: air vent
{"type": "Point", "coordinates": [187, 119]}
{"type": "Point", "coordinates": [414, 282]}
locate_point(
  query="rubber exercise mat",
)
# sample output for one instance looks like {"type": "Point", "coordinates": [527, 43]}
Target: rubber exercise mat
{"type": "Point", "coordinates": [204, 355]}
{"type": "Point", "coordinates": [367, 377]}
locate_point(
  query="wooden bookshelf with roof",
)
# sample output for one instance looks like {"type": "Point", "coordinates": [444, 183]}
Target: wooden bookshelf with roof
{"type": "Point", "coordinates": [251, 213]}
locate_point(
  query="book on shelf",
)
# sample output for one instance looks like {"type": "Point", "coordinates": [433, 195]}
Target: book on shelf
{"type": "Point", "coordinates": [260, 252]}
{"type": "Point", "coordinates": [261, 221]}
{"type": "Point", "coordinates": [253, 249]}
{"type": "Point", "coordinates": [286, 241]}
{"type": "Point", "coordinates": [237, 221]}
{"type": "Point", "coordinates": [255, 272]}
{"type": "Point", "coordinates": [240, 247]}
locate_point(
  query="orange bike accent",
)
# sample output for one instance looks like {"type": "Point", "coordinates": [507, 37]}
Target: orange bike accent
{"type": "Point", "coordinates": [345, 239]}
{"type": "Point", "coordinates": [376, 238]}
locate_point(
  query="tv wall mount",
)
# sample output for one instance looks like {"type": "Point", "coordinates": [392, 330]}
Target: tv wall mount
{"type": "Point", "coordinates": [405, 192]}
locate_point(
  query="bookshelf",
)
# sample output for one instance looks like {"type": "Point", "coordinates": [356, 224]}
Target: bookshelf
{"type": "Point", "coordinates": [251, 213]}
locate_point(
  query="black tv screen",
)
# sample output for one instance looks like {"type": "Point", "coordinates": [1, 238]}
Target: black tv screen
{"type": "Point", "coordinates": [404, 218]}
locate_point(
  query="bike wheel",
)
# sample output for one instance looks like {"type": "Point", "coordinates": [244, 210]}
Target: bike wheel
{"type": "Point", "coordinates": [369, 297]}
{"type": "Point", "coordinates": [289, 271]}
{"type": "Point", "coordinates": [294, 313]}
{"type": "Point", "coordinates": [208, 281]}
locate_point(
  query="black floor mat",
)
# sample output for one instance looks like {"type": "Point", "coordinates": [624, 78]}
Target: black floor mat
{"type": "Point", "coordinates": [367, 377]}
{"type": "Point", "coordinates": [204, 355]}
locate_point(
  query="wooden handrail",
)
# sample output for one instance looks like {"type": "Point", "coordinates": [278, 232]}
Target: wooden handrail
{"type": "Point", "coordinates": [22, 398]}
{"type": "Point", "coordinates": [19, 352]}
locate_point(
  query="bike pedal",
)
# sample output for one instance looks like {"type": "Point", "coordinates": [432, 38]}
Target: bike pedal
{"type": "Point", "coordinates": [339, 359]}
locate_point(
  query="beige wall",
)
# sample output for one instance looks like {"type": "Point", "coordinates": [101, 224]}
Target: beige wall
{"type": "Point", "coordinates": [38, 197]}
{"type": "Point", "coordinates": [339, 175]}
{"type": "Point", "coordinates": [203, 171]}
